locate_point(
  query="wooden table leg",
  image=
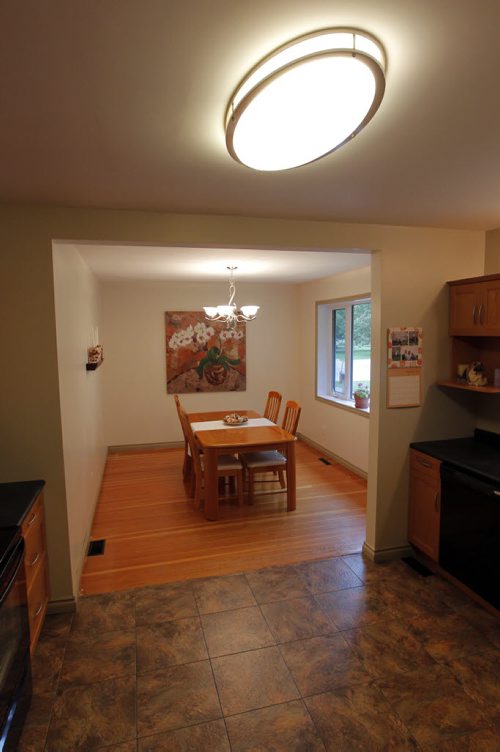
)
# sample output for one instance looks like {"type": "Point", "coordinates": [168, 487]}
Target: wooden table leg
{"type": "Point", "coordinates": [211, 486]}
{"type": "Point", "coordinates": [291, 488]}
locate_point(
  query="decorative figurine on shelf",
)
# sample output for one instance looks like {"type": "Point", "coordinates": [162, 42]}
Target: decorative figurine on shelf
{"type": "Point", "coordinates": [94, 354]}
{"type": "Point", "coordinates": [475, 374]}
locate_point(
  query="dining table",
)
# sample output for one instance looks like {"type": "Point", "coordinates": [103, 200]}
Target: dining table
{"type": "Point", "coordinates": [258, 434]}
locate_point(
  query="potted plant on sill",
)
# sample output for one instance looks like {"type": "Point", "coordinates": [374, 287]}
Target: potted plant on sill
{"type": "Point", "coordinates": [361, 396]}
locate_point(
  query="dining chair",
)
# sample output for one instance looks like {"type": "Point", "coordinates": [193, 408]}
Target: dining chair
{"type": "Point", "coordinates": [271, 460]}
{"type": "Point", "coordinates": [272, 407]}
{"type": "Point", "coordinates": [228, 466]}
{"type": "Point", "coordinates": [187, 465]}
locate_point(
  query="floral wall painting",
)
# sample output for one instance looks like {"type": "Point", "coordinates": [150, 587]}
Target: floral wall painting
{"type": "Point", "coordinates": [204, 356]}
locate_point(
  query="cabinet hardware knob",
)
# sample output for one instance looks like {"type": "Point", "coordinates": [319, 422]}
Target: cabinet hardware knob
{"type": "Point", "coordinates": [425, 463]}
{"type": "Point", "coordinates": [474, 311]}
{"type": "Point", "coordinates": [38, 610]}
{"type": "Point", "coordinates": [480, 316]}
{"type": "Point", "coordinates": [30, 522]}
{"type": "Point", "coordinates": [34, 559]}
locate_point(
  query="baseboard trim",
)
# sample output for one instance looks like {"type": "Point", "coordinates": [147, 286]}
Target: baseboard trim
{"type": "Point", "coordinates": [385, 554]}
{"type": "Point", "coordinates": [64, 606]}
{"type": "Point", "coordinates": [144, 447]}
{"type": "Point", "coordinates": [333, 456]}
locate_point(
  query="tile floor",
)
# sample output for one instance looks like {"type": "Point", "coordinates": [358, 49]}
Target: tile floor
{"type": "Point", "coordinates": [338, 655]}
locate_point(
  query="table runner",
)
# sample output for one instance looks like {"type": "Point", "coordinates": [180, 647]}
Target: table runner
{"type": "Point", "coordinates": [211, 425]}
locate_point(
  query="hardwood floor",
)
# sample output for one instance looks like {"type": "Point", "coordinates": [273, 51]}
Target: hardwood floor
{"type": "Point", "coordinates": [152, 533]}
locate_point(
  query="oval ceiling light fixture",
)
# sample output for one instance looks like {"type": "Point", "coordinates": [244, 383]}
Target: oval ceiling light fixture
{"type": "Point", "coordinates": [306, 99]}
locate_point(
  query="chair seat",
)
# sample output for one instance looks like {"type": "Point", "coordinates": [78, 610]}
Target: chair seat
{"type": "Point", "coordinates": [263, 459]}
{"type": "Point", "coordinates": [227, 462]}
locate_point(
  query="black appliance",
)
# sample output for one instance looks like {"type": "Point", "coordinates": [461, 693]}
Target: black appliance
{"type": "Point", "coordinates": [15, 666]}
{"type": "Point", "coordinates": [469, 544]}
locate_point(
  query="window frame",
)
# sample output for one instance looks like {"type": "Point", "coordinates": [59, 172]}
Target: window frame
{"type": "Point", "coordinates": [325, 373]}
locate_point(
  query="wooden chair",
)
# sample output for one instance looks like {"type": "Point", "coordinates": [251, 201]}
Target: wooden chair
{"type": "Point", "coordinates": [228, 466]}
{"type": "Point", "coordinates": [272, 407]}
{"type": "Point", "coordinates": [271, 461]}
{"type": "Point", "coordinates": [187, 465]}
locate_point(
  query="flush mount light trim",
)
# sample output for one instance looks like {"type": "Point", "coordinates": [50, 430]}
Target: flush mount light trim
{"type": "Point", "coordinates": [306, 99]}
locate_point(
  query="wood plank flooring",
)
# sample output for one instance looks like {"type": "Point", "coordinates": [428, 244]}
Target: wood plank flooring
{"type": "Point", "coordinates": [154, 535]}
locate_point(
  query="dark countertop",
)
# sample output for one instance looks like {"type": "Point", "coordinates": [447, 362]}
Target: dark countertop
{"type": "Point", "coordinates": [16, 499]}
{"type": "Point", "coordinates": [478, 454]}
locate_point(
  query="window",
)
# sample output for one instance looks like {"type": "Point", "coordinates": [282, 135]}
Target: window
{"type": "Point", "coordinates": [343, 347]}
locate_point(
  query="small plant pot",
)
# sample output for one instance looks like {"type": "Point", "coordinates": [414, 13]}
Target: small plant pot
{"type": "Point", "coordinates": [362, 402]}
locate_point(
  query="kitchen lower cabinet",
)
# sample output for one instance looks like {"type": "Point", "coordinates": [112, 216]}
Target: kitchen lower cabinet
{"type": "Point", "coordinates": [35, 567]}
{"type": "Point", "coordinates": [424, 503]}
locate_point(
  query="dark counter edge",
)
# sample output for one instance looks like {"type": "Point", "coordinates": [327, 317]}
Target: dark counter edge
{"type": "Point", "coordinates": [16, 499]}
{"type": "Point", "coordinates": [478, 454]}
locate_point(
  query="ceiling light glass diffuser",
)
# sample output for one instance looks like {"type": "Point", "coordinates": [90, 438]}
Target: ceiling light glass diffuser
{"type": "Point", "coordinates": [306, 99]}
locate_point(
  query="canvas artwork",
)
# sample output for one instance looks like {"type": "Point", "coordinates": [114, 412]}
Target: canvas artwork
{"type": "Point", "coordinates": [204, 356]}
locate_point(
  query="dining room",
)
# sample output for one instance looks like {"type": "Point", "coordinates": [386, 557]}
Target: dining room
{"type": "Point", "coordinates": [126, 405]}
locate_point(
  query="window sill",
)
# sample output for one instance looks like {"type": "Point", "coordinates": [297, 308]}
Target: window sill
{"type": "Point", "coordinates": [343, 404]}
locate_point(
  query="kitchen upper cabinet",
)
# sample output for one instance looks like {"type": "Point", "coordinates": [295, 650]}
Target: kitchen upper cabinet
{"type": "Point", "coordinates": [475, 307]}
{"type": "Point", "coordinates": [424, 503]}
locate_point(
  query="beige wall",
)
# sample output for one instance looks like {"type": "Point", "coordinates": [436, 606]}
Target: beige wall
{"type": "Point", "coordinates": [136, 405]}
{"type": "Point", "coordinates": [342, 432]}
{"type": "Point", "coordinates": [409, 269]}
{"type": "Point", "coordinates": [77, 313]}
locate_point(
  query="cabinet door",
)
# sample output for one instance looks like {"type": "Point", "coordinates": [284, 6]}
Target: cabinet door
{"type": "Point", "coordinates": [424, 504]}
{"type": "Point", "coordinates": [465, 309]}
{"type": "Point", "coordinates": [489, 308]}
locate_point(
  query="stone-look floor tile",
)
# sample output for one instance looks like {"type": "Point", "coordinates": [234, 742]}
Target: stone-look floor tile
{"type": "Point", "coordinates": [409, 597]}
{"type": "Point", "coordinates": [449, 636]}
{"type": "Point", "coordinates": [432, 704]}
{"type": "Point", "coordinates": [358, 718]}
{"type": "Point", "coordinates": [323, 663]}
{"type": "Point", "coordinates": [353, 608]}
{"type": "Point", "coordinates": [222, 593]}
{"type": "Point", "coordinates": [480, 741]}
{"type": "Point", "coordinates": [125, 747]}
{"type": "Point", "coordinates": [251, 680]}
{"type": "Point", "coordinates": [296, 619]}
{"type": "Point", "coordinates": [276, 584]}
{"type": "Point", "coordinates": [387, 647]}
{"type": "Point", "coordinates": [368, 570]}
{"type": "Point", "coordinates": [36, 723]}
{"type": "Point", "coordinates": [46, 665]}
{"type": "Point", "coordinates": [281, 728]}
{"type": "Point", "coordinates": [56, 626]}
{"type": "Point", "coordinates": [451, 595]}
{"type": "Point", "coordinates": [154, 605]}
{"type": "Point", "coordinates": [95, 657]}
{"type": "Point", "coordinates": [105, 613]}
{"type": "Point", "coordinates": [169, 644]}
{"type": "Point", "coordinates": [176, 697]}
{"type": "Point", "coordinates": [234, 631]}
{"type": "Point", "coordinates": [479, 675]}
{"type": "Point", "coordinates": [88, 717]}
{"type": "Point", "coordinates": [482, 620]}
{"type": "Point", "coordinates": [206, 737]}
{"type": "Point", "coordinates": [329, 574]}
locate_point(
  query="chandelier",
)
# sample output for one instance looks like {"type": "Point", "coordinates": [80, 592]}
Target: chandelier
{"type": "Point", "coordinates": [230, 312]}
{"type": "Point", "coordinates": [306, 99]}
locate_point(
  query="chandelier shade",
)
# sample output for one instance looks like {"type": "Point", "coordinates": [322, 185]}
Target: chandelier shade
{"type": "Point", "coordinates": [229, 313]}
{"type": "Point", "coordinates": [306, 99]}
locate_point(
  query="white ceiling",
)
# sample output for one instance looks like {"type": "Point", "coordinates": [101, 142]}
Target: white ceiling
{"type": "Point", "coordinates": [204, 264]}
{"type": "Point", "coordinates": [121, 105]}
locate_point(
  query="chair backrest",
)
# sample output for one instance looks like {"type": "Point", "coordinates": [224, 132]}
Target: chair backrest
{"type": "Point", "coordinates": [291, 417]}
{"type": "Point", "coordinates": [272, 407]}
{"type": "Point", "coordinates": [189, 436]}
{"type": "Point", "coordinates": [180, 410]}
